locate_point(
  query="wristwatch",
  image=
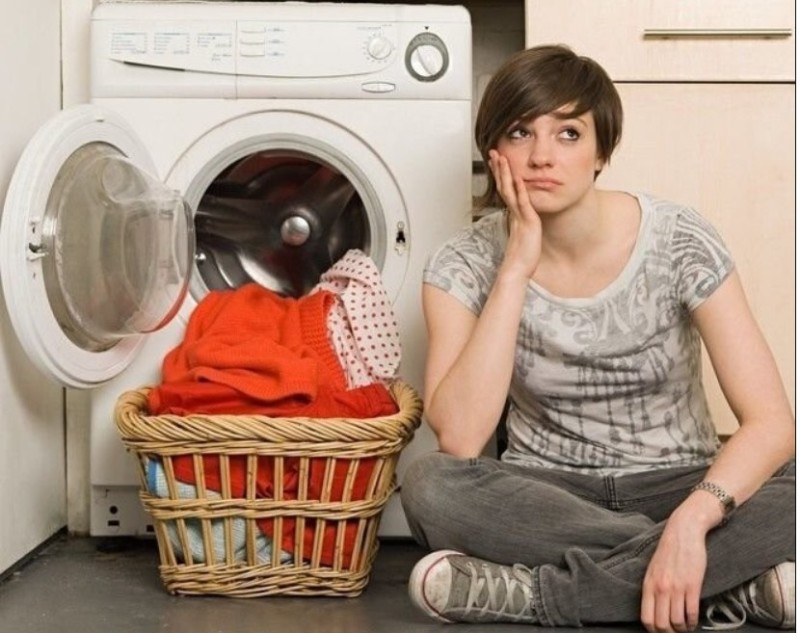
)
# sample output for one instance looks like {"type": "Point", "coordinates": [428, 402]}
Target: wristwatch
{"type": "Point", "coordinates": [727, 501]}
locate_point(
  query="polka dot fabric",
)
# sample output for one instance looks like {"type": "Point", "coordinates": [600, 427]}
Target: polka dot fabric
{"type": "Point", "coordinates": [361, 324]}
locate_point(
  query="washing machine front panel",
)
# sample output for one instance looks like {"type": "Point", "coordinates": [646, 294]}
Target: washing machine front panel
{"type": "Point", "coordinates": [415, 156]}
{"type": "Point", "coordinates": [280, 195]}
{"type": "Point", "coordinates": [95, 250]}
{"type": "Point", "coordinates": [395, 126]}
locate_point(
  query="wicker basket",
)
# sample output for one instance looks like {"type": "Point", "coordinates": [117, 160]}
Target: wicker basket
{"type": "Point", "coordinates": [326, 483]}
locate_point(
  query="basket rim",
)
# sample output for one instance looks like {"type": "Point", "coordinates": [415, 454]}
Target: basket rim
{"type": "Point", "coordinates": [135, 426]}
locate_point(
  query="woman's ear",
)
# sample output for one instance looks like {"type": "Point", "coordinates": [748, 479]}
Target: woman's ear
{"type": "Point", "coordinates": [599, 163]}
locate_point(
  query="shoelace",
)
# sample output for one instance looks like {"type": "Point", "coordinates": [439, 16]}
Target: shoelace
{"type": "Point", "coordinates": [493, 585]}
{"type": "Point", "coordinates": [734, 606]}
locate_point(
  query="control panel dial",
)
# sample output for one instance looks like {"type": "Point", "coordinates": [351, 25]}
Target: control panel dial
{"type": "Point", "coordinates": [426, 57]}
{"type": "Point", "coordinates": [379, 47]}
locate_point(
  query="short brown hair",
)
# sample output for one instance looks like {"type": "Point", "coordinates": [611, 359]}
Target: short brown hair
{"type": "Point", "coordinates": [538, 81]}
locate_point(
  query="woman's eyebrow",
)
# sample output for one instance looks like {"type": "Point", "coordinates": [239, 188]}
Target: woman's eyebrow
{"type": "Point", "coordinates": [569, 116]}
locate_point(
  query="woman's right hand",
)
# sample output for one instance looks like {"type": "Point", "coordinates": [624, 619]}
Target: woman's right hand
{"type": "Point", "coordinates": [524, 225]}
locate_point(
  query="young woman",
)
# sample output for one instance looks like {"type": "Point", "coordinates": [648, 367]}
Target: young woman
{"type": "Point", "coordinates": [584, 309]}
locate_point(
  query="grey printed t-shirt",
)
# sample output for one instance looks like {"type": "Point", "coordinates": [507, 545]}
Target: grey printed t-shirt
{"type": "Point", "coordinates": [609, 384]}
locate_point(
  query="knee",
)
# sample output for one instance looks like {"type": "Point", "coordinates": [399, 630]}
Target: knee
{"type": "Point", "coordinates": [425, 484]}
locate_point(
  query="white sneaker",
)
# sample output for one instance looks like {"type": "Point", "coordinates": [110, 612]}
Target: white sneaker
{"type": "Point", "coordinates": [768, 600]}
{"type": "Point", "coordinates": [452, 587]}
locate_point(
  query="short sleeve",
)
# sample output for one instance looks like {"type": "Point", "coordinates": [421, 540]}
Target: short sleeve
{"type": "Point", "coordinates": [466, 265]}
{"type": "Point", "coordinates": [701, 259]}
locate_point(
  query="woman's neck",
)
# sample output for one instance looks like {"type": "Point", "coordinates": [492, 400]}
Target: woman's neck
{"type": "Point", "coordinates": [568, 234]}
{"type": "Point", "coordinates": [586, 247]}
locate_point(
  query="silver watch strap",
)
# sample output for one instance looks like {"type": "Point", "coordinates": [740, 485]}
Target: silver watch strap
{"type": "Point", "coordinates": [726, 500]}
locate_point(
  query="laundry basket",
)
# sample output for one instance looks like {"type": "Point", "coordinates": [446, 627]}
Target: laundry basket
{"type": "Point", "coordinates": [249, 506]}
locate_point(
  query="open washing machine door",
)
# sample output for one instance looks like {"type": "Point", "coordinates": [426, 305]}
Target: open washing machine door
{"type": "Point", "coordinates": [95, 252]}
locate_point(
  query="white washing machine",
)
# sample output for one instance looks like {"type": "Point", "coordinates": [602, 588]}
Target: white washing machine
{"type": "Point", "coordinates": [227, 143]}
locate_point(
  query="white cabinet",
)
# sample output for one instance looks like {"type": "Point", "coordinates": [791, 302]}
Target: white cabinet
{"type": "Point", "coordinates": [728, 151]}
{"type": "Point", "coordinates": [709, 122]}
{"type": "Point", "coordinates": [672, 40]}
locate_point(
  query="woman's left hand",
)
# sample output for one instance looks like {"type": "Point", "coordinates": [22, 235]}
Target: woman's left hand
{"type": "Point", "coordinates": [674, 577]}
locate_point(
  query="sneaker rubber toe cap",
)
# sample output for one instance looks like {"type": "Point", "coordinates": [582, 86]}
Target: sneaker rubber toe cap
{"type": "Point", "coordinates": [430, 582]}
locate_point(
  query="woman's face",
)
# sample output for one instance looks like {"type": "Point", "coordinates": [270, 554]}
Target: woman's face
{"type": "Point", "coordinates": [555, 157]}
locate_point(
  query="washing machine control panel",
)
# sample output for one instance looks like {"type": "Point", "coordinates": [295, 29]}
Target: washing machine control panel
{"type": "Point", "coordinates": [274, 57]}
{"type": "Point", "coordinates": [293, 50]}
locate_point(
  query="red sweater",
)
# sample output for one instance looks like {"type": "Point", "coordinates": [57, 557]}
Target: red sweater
{"type": "Point", "coordinates": [253, 351]}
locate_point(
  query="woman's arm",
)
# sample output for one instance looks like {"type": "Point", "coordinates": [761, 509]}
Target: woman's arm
{"type": "Point", "coordinates": [471, 359]}
{"type": "Point", "coordinates": [748, 375]}
{"type": "Point", "coordinates": [764, 441]}
{"type": "Point", "coordinates": [469, 365]}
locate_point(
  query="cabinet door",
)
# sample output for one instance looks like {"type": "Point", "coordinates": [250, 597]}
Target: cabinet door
{"type": "Point", "coordinates": [672, 40]}
{"type": "Point", "coordinates": [728, 151]}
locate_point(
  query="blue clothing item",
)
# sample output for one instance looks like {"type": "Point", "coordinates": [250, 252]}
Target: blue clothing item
{"type": "Point", "coordinates": [157, 485]}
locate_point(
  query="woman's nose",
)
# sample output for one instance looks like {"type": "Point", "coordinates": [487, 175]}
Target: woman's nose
{"type": "Point", "coordinates": [541, 153]}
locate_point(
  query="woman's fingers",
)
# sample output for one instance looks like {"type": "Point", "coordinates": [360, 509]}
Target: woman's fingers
{"type": "Point", "coordinates": [677, 617]}
{"type": "Point", "coordinates": [503, 178]}
{"type": "Point", "coordinates": [523, 198]}
{"type": "Point", "coordinates": [510, 187]}
{"type": "Point", "coordinates": [673, 609]}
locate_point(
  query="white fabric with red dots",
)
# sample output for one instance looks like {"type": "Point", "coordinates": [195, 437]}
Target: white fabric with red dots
{"type": "Point", "coordinates": [361, 324]}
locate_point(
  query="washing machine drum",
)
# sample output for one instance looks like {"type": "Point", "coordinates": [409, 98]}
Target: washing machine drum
{"type": "Point", "coordinates": [280, 219]}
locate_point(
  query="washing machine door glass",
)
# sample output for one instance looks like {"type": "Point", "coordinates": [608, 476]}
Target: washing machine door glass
{"type": "Point", "coordinates": [95, 251]}
{"type": "Point", "coordinates": [115, 258]}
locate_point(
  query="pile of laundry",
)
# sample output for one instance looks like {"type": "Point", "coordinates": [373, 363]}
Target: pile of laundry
{"type": "Point", "coordinates": [331, 353]}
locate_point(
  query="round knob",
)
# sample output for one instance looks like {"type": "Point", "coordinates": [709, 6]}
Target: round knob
{"type": "Point", "coordinates": [295, 230]}
{"type": "Point", "coordinates": [426, 57]}
{"type": "Point", "coordinates": [379, 47]}
{"type": "Point", "coordinates": [427, 61]}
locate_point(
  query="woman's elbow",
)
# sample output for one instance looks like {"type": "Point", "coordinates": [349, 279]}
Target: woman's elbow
{"type": "Point", "coordinates": [457, 449]}
{"type": "Point", "coordinates": [459, 434]}
{"type": "Point", "coordinates": [459, 444]}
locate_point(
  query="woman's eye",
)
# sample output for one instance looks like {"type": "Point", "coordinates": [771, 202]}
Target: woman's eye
{"type": "Point", "coordinates": [570, 134]}
{"type": "Point", "coordinates": [517, 132]}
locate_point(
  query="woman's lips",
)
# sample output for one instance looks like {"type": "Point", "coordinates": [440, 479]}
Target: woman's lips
{"type": "Point", "coordinates": [543, 183]}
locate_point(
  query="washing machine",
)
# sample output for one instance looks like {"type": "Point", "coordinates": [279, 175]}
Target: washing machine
{"type": "Point", "coordinates": [230, 142]}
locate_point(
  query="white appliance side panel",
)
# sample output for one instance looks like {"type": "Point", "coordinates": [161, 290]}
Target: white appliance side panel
{"type": "Point", "coordinates": [31, 427]}
{"type": "Point", "coordinates": [424, 144]}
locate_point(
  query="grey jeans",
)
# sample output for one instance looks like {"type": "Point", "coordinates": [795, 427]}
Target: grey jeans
{"type": "Point", "coordinates": [588, 538]}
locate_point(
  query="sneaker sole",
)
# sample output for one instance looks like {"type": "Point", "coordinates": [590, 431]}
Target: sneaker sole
{"type": "Point", "coordinates": [416, 582]}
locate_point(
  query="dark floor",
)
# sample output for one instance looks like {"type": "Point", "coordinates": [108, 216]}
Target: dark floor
{"type": "Point", "coordinates": [85, 585]}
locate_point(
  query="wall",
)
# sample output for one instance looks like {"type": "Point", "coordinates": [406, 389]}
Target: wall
{"type": "Point", "coordinates": [32, 479]}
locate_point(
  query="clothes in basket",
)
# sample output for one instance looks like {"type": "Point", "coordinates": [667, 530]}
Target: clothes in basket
{"type": "Point", "coordinates": [252, 351]}
{"type": "Point", "coordinates": [157, 485]}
